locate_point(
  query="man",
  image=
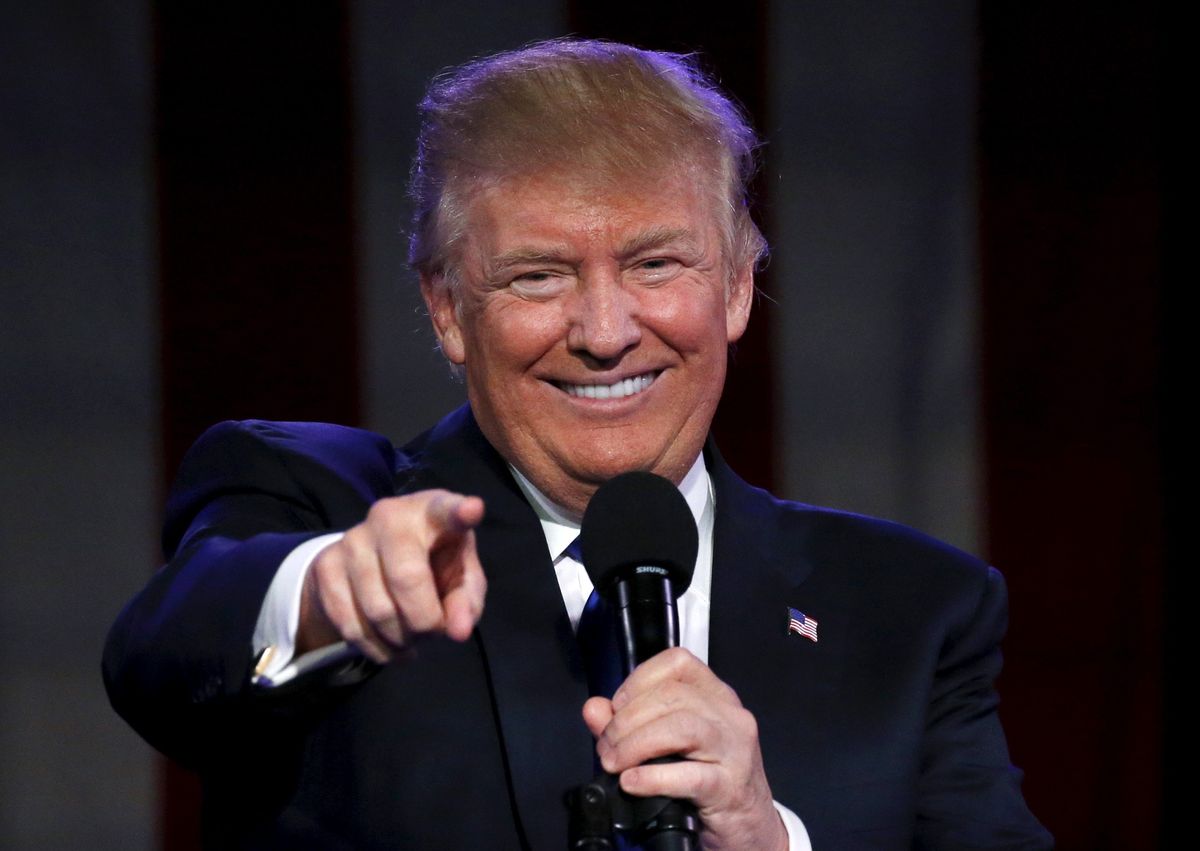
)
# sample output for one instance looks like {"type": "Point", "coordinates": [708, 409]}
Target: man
{"type": "Point", "coordinates": [586, 255]}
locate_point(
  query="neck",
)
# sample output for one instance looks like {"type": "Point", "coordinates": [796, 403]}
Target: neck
{"type": "Point", "coordinates": [693, 483]}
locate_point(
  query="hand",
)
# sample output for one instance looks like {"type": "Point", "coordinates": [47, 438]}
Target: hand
{"type": "Point", "coordinates": [409, 569]}
{"type": "Point", "coordinates": [674, 704]}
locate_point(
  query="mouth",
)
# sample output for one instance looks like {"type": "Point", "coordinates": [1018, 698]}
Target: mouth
{"type": "Point", "coordinates": [617, 390]}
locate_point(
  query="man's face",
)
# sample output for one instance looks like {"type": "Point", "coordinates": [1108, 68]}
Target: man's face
{"type": "Point", "coordinates": [593, 326]}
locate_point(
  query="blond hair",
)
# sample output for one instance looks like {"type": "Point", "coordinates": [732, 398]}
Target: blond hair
{"type": "Point", "coordinates": [607, 110]}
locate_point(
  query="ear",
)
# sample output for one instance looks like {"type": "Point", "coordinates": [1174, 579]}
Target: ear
{"type": "Point", "coordinates": [443, 312]}
{"type": "Point", "coordinates": [737, 302]}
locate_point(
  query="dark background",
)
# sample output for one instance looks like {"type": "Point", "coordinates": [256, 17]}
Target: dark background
{"type": "Point", "coordinates": [962, 325]}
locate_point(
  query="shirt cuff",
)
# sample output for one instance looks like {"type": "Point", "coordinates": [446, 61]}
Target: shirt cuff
{"type": "Point", "coordinates": [279, 618]}
{"type": "Point", "coordinates": [797, 835]}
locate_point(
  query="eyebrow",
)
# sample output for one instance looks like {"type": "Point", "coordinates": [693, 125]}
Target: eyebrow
{"type": "Point", "coordinates": [657, 237]}
{"type": "Point", "coordinates": [521, 256]}
{"type": "Point", "coordinates": [647, 240]}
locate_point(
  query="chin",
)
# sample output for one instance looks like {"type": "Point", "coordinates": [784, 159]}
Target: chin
{"type": "Point", "coordinates": [600, 467]}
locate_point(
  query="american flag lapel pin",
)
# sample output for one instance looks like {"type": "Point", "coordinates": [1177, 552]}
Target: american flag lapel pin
{"type": "Point", "coordinates": [801, 624]}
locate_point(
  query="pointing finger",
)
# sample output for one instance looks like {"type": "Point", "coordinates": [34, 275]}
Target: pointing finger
{"type": "Point", "coordinates": [464, 591]}
{"type": "Point", "coordinates": [453, 513]}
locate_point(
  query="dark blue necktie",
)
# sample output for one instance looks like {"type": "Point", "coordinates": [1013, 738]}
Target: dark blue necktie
{"type": "Point", "coordinates": [597, 636]}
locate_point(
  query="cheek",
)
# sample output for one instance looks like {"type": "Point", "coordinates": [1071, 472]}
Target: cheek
{"type": "Point", "coordinates": [513, 335]}
{"type": "Point", "coordinates": [689, 324]}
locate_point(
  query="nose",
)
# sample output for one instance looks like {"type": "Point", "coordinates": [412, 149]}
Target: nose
{"type": "Point", "coordinates": [603, 318]}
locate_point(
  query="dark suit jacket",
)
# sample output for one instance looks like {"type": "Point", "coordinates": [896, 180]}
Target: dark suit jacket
{"type": "Point", "coordinates": [884, 734]}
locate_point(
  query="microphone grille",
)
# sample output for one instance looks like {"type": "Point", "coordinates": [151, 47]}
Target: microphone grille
{"type": "Point", "coordinates": [638, 519]}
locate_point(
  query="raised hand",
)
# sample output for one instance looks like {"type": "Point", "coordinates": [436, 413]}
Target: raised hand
{"type": "Point", "coordinates": [409, 569]}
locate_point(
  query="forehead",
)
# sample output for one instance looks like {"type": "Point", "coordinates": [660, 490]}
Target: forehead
{"type": "Point", "coordinates": [543, 209]}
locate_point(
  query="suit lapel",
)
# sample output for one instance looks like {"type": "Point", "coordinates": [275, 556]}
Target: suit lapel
{"type": "Point", "coordinates": [537, 683]}
{"type": "Point", "coordinates": [760, 568]}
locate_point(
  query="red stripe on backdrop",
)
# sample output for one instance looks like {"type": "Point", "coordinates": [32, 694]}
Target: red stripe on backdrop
{"type": "Point", "coordinates": [1071, 296]}
{"type": "Point", "coordinates": [731, 41]}
{"type": "Point", "coordinates": [256, 240]}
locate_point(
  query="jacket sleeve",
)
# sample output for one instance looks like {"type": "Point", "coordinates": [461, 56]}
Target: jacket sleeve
{"type": "Point", "coordinates": [178, 660]}
{"type": "Point", "coordinates": [969, 794]}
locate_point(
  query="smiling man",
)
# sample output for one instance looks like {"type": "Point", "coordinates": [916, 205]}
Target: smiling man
{"type": "Point", "coordinates": [593, 321]}
{"type": "Point", "coordinates": [586, 253]}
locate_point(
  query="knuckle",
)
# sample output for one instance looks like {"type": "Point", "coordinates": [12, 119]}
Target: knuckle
{"type": "Point", "coordinates": [746, 723]}
{"type": "Point", "coordinates": [329, 562]}
{"type": "Point", "coordinates": [382, 508]}
{"type": "Point", "coordinates": [377, 609]}
{"type": "Point", "coordinates": [674, 693]}
{"type": "Point", "coordinates": [354, 539]}
{"type": "Point", "coordinates": [389, 514]}
{"type": "Point", "coordinates": [358, 544]}
{"type": "Point", "coordinates": [329, 592]}
{"type": "Point", "coordinates": [690, 728]}
{"type": "Point", "coordinates": [706, 783]}
{"type": "Point", "coordinates": [422, 619]}
{"type": "Point", "coordinates": [406, 576]}
{"type": "Point", "coordinates": [357, 540]}
{"type": "Point", "coordinates": [678, 661]}
{"type": "Point", "coordinates": [376, 515]}
{"type": "Point", "coordinates": [356, 566]}
{"type": "Point", "coordinates": [615, 752]}
{"type": "Point", "coordinates": [352, 632]}
{"type": "Point", "coordinates": [615, 730]}
{"type": "Point", "coordinates": [728, 694]}
{"type": "Point", "coordinates": [677, 656]}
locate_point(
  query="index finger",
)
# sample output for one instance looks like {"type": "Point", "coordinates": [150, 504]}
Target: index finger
{"type": "Point", "coordinates": [455, 563]}
{"type": "Point", "coordinates": [462, 601]}
{"type": "Point", "coordinates": [454, 513]}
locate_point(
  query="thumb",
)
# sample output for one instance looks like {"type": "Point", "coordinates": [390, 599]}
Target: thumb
{"type": "Point", "coordinates": [597, 712]}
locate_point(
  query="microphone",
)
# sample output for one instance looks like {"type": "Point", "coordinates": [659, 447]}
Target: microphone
{"type": "Point", "coordinates": [639, 545]}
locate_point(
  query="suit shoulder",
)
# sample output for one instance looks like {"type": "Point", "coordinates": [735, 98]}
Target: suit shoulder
{"type": "Point", "coordinates": [869, 542]}
{"type": "Point", "coordinates": [876, 534]}
{"type": "Point", "coordinates": [321, 465]}
{"type": "Point", "coordinates": [886, 559]}
{"type": "Point", "coordinates": [313, 439]}
{"type": "Point", "coordinates": [334, 446]}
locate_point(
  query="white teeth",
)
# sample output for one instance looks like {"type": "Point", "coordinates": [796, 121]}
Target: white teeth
{"type": "Point", "coordinates": [616, 390]}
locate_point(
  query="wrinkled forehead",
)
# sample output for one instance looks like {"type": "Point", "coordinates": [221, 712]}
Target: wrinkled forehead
{"type": "Point", "coordinates": [613, 206]}
{"type": "Point", "coordinates": [606, 214]}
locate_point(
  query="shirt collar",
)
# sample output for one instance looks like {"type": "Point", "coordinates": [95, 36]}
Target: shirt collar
{"type": "Point", "coordinates": [560, 530]}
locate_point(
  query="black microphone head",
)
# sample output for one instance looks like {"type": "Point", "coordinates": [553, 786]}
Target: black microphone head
{"type": "Point", "coordinates": [634, 520]}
